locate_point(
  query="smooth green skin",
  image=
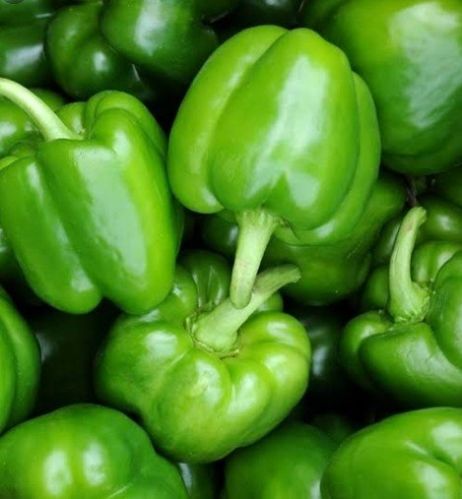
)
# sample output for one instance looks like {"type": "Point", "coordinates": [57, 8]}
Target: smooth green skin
{"type": "Point", "coordinates": [329, 386]}
{"type": "Point", "coordinates": [17, 128]}
{"type": "Point", "coordinates": [415, 455]}
{"type": "Point", "coordinates": [83, 62]}
{"type": "Point", "coordinates": [297, 148]}
{"type": "Point", "coordinates": [20, 361]}
{"type": "Point", "coordinates": [415, 356]}
{"type": "Point", "coordinates": [22, 33]}
{"type": "Point", "coordinates": [200, 480]}
{"type": "Point", "coordinates": [77, 251]}
{"type": "Point", "coordinates": [68, 345]}
{"type": "Point", "coordinates": [286, 464]}
{"type": "Point", "coordinates": [256, 142]}
{"type": "Point", "coordinates": [84, 451]}
{"type": "Point", "coordinates": [166, 39]}
{"type": "Point", "coordinates": [414, 72]}
{"type": "Point", "coordinates": [329, 272]}
{"type": "Point", "coordinates": [199, 403]}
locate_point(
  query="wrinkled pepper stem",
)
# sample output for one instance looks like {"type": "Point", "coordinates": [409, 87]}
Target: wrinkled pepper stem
{"type": "Point", "coordinates": [255, 230]}
{"type": "Point", "coordinates": [46, 120]}
{"type": "Point", "coordinates": [408, 300]}
{"type": "Point", "coordinates": [218, 330]}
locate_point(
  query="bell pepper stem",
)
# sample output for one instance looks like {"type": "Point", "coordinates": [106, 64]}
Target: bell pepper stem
{"type": "Point", "coordinates": [408, 301]}
{"type": "Point", "coordinates": [43, 116]}
{"type": "Point", "coordinates": [255, 230]}
{"type": "Point", "coordinates": [218, 330]}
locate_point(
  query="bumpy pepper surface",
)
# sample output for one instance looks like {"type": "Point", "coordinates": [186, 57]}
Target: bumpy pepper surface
{"type": "Point", "coordinates": [203, 376]}
{"type": "Point", "coordinates": [87, 211]}
{"type": "Point", "coordinates": [20, 361]}
{"type": "Point", "coordinates": [413, 352]}
{"type": "Point", "coordinates": [145, 47]}
{"type": "Point", "coordinates": [287, 137]}
{"type": "Point", "coordinates": [287, 463]}
{"type": "Point", "coordinates": [329, 272]}
{"type": "Point", "coordinates": [415, 455]}
{"type": "Point", "coordinates": [409, 52]}
{"type": "Point", "coordinates": [84, 451]}
{"type": "Point", "coordinates": [22, 39]}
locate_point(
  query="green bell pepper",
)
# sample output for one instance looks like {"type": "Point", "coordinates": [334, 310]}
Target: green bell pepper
{"type": "Point", "coordinates": [412, 352]}
{"type": "Point", "coordinates": [415, 455]}
{"type": "Point", "coordinates": [441, 232]}
{"type": "Point", "coordinates": [104, 223]}
{"type": "Point", "coordinates": [286, 140]}
{"type": "Point", "coordinates": [329, 272]}
{"type": "Point", "coordinates": [22, 33]}
{"type": "Point", "coordinates": [20, 361]}
{"type": "Point", "coordinates": [204, 377]}
{"type": "Point", "coordinates": [68, 345]}
{"type": "Point", "coordinates": [150, 48]}
{"type": "Point", "coordinates": [84, 451]}
{"type": "Point", "coordinates": [287, 463]}
{"type": "Point", "coordinates": [409, 52]}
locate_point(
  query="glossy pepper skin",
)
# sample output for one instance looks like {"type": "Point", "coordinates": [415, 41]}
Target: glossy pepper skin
{"type": "Point", "coordinates": [22, 37]}
{"type": "Point", "coordinates": [295, 149]}
{"type": "Point", "coordinates": [84, 451]}
{"type": "Point", "coordinates": [201, 480]}
{"type": "Point", "coordinates": [415, 455]}
{"type": "Point", "coordinates": [288, 462]}
{"type": "Point", "coordinates": [68, 345]}
{"type": "Point", "coordinates": [87, 211]}
{"type": "Point", "coordinates": [409, 52]}
{"type": "Point", "coordinates": [219, 378]}
{"type": "Point", "coordinates": [150, 48]}
{"type": "Point", "coordinates": [329, 272]}
{"type": "Point", "coordinates": [20, 361]}
{"type": "Point", "coordinates": [411, 351]}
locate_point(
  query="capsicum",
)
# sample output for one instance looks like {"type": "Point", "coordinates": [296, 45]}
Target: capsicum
{"type": "Point", "coordinates": [151, 48]}
{"type": "Point", "coordinates": [287, 140]}
{"type": "Point", "coordinates": [329, 271]}
{"type": "Point", "coordinates": [409, 52]}
{"type": "Point", "coordinates": [87, 210]}
{"type": "Point", "coordinates": [415, 455]}
{"type": "Point", "coordinates": [288, 463]}
{"type": "Point", "coordinates": [411, 350]}
{"type": "Point", "coordinates": [204, 377]}
{"type": "Point", "coordinates": [84, 451]}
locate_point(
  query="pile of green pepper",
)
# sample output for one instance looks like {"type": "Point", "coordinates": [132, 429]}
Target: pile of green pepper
{"type": "Point", "coordinates": [231, 249]}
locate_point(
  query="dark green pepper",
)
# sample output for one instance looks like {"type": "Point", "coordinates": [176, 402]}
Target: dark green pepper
{"type": "Point", "coordinates": [409, 52]}
{"type": "Point", "coordinates": [103, 222]}
{"type": "Point", "coordinates": [20, 364]}
{"type": "Point", "coordinates": [287, 463]}
{"type": "Point", "coordinates": [68, 344]}
{"type": "Point", "coordinates": [286, 140]}
{"type": "Point", "coordinates": [413, 352]}
{"type": "Point", "coordinates": [151, 48]}
{"type": "Point", "coordinates": [201, 480]}
{"type": "Point", "coordinates": [204, 377]}
{"type": "Point", "coordinates": [415, 455]}
{"type": "Point", "coordinates": [84, 451]}
{"type": "Point", "coordinates": [329, 272]}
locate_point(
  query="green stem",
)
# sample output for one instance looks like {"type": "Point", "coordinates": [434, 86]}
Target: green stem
{"type": "Point", "coordinates": [255, 230]}
{"type": "Point", "coordinates": [217, 330]}
{"type": "Point", "coordinates": [408, 300]}
{"type": "Point", "coordinates": [44, 117]}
